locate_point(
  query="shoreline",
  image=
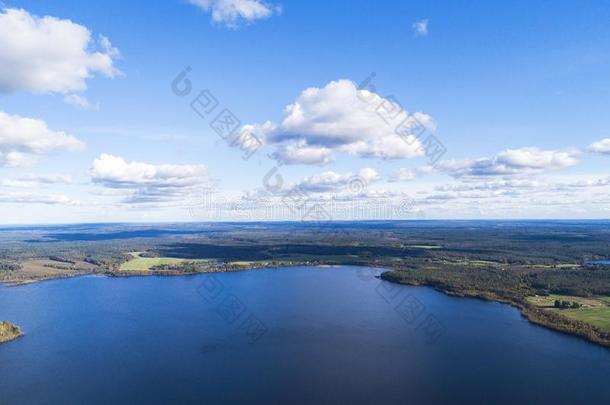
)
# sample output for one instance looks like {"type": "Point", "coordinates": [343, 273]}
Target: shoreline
{"type": "Point", "coordinates": [534, 315]}
{"type": "Point", "coordinates": [151, 273]}
{"type": "Point", "coordinates": [18, 283]}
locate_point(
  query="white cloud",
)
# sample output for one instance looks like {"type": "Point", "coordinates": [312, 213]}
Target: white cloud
{"type": "Point", "coordinates": [341, 118]}
{"type": "Point", "coordinates": [580, 184]}
{"type": "Point", "coordinates": [233, 12]}
{"type": "Point", "coordinates": [511, 162]}
{"type": "Point", "coordinates": [145, 182]}
{"type": "Point", "coordinates": [491, 197]}
{"type": "Point", "coordinates": [22, 139]}
{"type": "Point", "coordinates": [519, 196]}
{"type": "Point", "coordinates": [500, 184]}
{"type": "Point", "coordinates": [602, 146]}
{"type": "Point", "coordinates": [31, 198]}
{"type": "Point", "coordinates": [47, 178]}
{"type": "Point", "coordinates": [404, 174]}
{"type": "Point", "coordinates": [332, 181]}
{"type": "Point", "coordinates": [48, 54]}
{"type": "Point", "coordinates": [35, 180]}
{"type": "Point", "coordinates": [301, 153]}
{"type": "Point", "coordinates": [535, 158]}
{"type": "Point", "coordinates": [77, 101]}
{"type": "Point", "coordinates": [421, 28]}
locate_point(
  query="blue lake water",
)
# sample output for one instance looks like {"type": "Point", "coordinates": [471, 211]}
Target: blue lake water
{"type": "Point", "coordinates": [599, 262]}
{"type": "Point", "coordinates": [311, 335]}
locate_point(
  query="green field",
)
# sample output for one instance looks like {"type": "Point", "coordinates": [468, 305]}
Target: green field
{"type": "Point", "coordinates": [596, 310]}
{"type": "Point", "coordinates": [549, 300]}
{"type": "Point", "coordinates": [554, 266]}
{"type": "Point", "coordinates": [598, 316]}
{"type": "Point", "coordinates": [139, 263]}
{"type": "Point", "coordinates": [254, 263]}
{"type": "Point", "coordinates": [247, 263]}
{"type": "Point", "coordinates": [477, 263]}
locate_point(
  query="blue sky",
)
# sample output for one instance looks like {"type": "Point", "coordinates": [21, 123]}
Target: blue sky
{"type": "Point", "coordinates": [516, 92]}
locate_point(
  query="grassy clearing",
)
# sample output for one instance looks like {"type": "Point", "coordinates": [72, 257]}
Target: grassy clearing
{"type": "Point", "coordinates": [482, 263]}
{"type": "Point", "coordinates": [255, 263]}
{"type": "Point", "coordinates": [599, 316]}
{"type": "Point", "coordinates": [45, 268]}
{"type": "Point", "coordinates": [549, 300]}
{"type": "Point", "coordinates": [245, 263]}
{"type": "Point", "coordinates": [472, 263]}
{"type": "Point", "coordinates": [476, 263]}
{"type": "Point", "coordinates": [595, 310]}
{"type": "Point", "coordinates": [139, 263]}
{"type": "Point", "coordinates": [259, 263]}
{"type": "Point", "coordinates": [554, 266]}
{"type": "Point", "coordinates": [42, 269]}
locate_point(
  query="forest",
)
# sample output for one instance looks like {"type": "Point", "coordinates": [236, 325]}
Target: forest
{"type": "Point", "coordinates": [507, 261]}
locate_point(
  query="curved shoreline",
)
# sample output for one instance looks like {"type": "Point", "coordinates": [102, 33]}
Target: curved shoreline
{"type": "Point", "coordinates": [530, 312]}
{"type": "Point", "coordinates": [534, 315]}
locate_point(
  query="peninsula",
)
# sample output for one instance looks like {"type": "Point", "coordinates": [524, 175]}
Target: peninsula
{"type": "Point", "coordinates": [9, 332]}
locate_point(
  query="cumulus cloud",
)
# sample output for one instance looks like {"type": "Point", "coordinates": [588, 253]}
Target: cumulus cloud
{"type": "Point", "coordinates": [22, 139]}
{"type": "Point", "coordinates": [300, 153]}
{"type": "Point", "coordinates": [511, 162]}
{"type": "Point", "coordinates": [341, 118]}
{"type": "Point", "coordinates": [48, 54]}
{"type": "Point", "coordinates": [404, 174]}
{"type": "Point", "coordinates": [602, 146]}
{"type": "Point", "coordinates": [145, 182]}
{"type": "Point", "coordinates": [332, 181]}
{"type": "Point", "coordinates": [232, 13]}
{"type": "Point", "coordinates": [420, 28]}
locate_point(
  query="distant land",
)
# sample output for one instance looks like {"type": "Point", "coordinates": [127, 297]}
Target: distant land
{"type": "Point", "coordinates": [554, 272]}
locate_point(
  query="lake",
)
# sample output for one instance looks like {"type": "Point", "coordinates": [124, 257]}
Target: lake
{"type": "Point", "coordinates": [290, 335]}
{"type": "Point", "coordinates": [599, 262]}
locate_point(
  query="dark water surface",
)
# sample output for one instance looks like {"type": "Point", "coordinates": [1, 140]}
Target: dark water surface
{"type": "Point", "coordinates": [332, 336]}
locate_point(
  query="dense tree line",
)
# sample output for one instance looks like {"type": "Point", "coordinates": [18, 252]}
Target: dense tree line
{"type": "Point", "coordinates": [9, 266]}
